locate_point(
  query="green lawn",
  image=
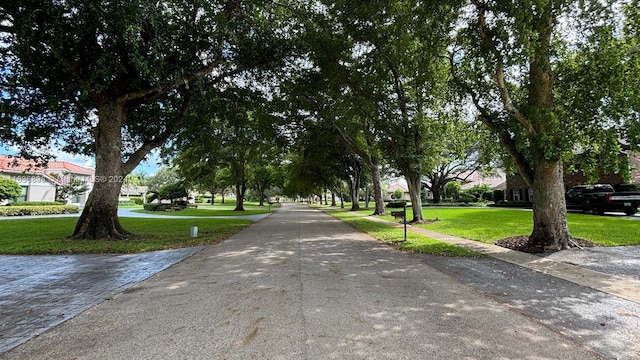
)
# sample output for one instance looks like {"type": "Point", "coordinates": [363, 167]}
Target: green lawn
{"type": "Point", "coordinates": [415, 242]}
{"type": "Point", "coordinates": [491, 224]}
{"type": "Point", "coordinates": [215, 210]}
{"type": "Point", "coordinates": [48, 235]}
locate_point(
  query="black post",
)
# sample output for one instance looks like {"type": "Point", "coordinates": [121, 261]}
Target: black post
{"type": "Point", "coordinates": [405, 221]}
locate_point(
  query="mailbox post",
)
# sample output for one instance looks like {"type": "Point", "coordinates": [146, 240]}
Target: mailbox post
{"type": "Point", "coordinates": [405, 221]}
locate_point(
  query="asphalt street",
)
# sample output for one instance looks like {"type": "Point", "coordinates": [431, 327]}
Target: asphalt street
{"type": "Point", "coordinates": [302, 285]}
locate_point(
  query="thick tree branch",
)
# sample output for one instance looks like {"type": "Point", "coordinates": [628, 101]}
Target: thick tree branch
{"type": "Point", "coordinates": [508, 104]}
{"type": "Point", "coordinates": [522, 164]}
{"type": "Point", "coordinates": [397, 84]}
{"type": "Point", "coordinates": [137, 156]}
{"type": "Point", "coordinates": [500, 77]}
{"type": "Point", "coordinates": [156, 91]}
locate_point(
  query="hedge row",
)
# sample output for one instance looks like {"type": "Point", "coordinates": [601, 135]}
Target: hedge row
{"type": "Point", "coordinates": [133, 199]}
{"type": "Point", "coordinates": [37, 203]}
{"type": "Point", "coordinates": [163, 207]}
{"type": "Point", "coordinates": [513, 204]}
{"type": "Point", "coordinates": [397, 204]}
{"type": "Point", "coordinates": [38, 210]}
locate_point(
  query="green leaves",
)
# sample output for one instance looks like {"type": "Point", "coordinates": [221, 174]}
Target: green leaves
{"type": "Point", "coordinates": [9, 189]}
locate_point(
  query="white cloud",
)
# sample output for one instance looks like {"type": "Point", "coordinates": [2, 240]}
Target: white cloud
{"type": "Point", "coordinates": [81, 160]}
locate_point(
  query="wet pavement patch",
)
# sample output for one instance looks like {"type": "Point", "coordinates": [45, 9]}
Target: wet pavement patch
{"type": "Point", "coordinates": [39, 292]}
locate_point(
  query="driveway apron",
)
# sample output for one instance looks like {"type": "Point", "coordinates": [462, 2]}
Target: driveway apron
{"type": "Point", "coordinates": [301, 285]}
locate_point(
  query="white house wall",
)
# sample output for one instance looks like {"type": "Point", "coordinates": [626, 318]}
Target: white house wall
{"type": "Point", "coordinates": [40, 192]}
{"type": "Point", "coordinates": [38, 188]}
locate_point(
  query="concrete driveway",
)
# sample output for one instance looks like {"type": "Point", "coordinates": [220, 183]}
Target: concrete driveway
{"type": "Point", "coordinates": [301, 285]}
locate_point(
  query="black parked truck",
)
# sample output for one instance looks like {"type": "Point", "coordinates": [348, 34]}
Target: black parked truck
{"type": "Point", "coordinates": [600, 198]}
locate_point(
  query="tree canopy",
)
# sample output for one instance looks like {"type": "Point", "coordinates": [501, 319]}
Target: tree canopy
{"type": "Point", "coordinates": [227, 86]}
{"type": "Point", "coordinates": [116, 79]}
{"type": "Point", "coordinates": [519, 64]}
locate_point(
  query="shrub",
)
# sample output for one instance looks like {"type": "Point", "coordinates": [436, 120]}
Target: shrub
{"type": "Point", "coordinates": [136, 200]}
{"type": "Point", "coordinates": [9, 189]}
{"type": "Point", "coordinates": [151, 207]}
{"type": "Point", "coordinates": [396, 204]}
{"type": "Point", "coordinates": [453, 189]}
{"type": "Point", "coordinates": [202, 199]}
{"type": "Point", "coordinates": [479, 192]}
{"type": "Point", "coordinates": [453, 203]}
{"type": "Point", "coordinates": [398, 194]}
{"type": "Point", "coordinates": [163, 207]}
{"type": "Point", "coordinates": [513, 204]}
{"type": "Point", "coordinates": [38, 210]}
{"type": "Point", "coordinates": [466, 197]}
{"type": "Point", "coordinates": [38, 203]}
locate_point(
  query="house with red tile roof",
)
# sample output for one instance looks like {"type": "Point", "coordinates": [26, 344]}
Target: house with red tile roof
{"type": "Point", "coordinates": [40, 183]}
{"type": "Point", "coordinates": [67, 173]}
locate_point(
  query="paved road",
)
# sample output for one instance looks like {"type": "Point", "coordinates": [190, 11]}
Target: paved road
{"type": "Point", "coordinates": [300, 285]}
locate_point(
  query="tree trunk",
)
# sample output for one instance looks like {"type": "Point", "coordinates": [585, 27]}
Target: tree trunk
{"type": "Point", "coordinates": [213, 195]}
{"type": "Point", "coordinates": [355, 191]}
{"type": "Point", "coordinates": [550, 230]}
{"type": "Point", "coordinates": [415, 185]}
{"type": "Point", "coordinates": [333, 198]}
{"type": "Point", "coordinates": [437, 194]}
{"type": "Point", "coordinates": [377, 187]}
{"type": "Point", "coordinates": [239, 173]}
{"type": "Point", "coordinates": [240, 192]}
{"type": "Point", "coordinates": [99, 218]}
{"type": "Point", "coordinates": [366, 197]}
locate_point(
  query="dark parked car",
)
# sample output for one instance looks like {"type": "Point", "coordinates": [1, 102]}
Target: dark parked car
{"type": "Point", "coordinates": [602, 197]}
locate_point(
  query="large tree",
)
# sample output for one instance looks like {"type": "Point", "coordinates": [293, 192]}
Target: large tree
{"type": "Point", "coordinates": [465, 149]}
{"type": "Point", "coordinates": [337, 93]}
{"type": "Point", "coordinates": [116, 78]}
{"type": "Point", "coordinates": [327, 98]}
{"type": "Point", "coordinates": [506, 59]}
{"type": "Point", "coordinates": [230, 130]}
{"type": "Point", "coordinates": [319, 160]}
{"type": "Point", "coordinates": [407, 82]}
{"type": "Point", "coordinates": [379, 82]}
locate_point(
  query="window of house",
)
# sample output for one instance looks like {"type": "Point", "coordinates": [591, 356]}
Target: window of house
{"type": "Point", "coordinates": [516, 194]}
{"type": "Point", "coordinates": [23, 194]}
{"type": "Point", "coordinates": [530, 195]}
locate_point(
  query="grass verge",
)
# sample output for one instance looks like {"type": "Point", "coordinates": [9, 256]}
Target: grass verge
{"type": "Point", "coordinates": [491, 224]}
{"type": "Point", "coordinates": [488, 225]}
{"type": "Point", "coordinates": [48, 235]}
{"type": "Point", "coordinates": [215, 210]}
{"type": "Point", "coordinates": [415, 242]}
